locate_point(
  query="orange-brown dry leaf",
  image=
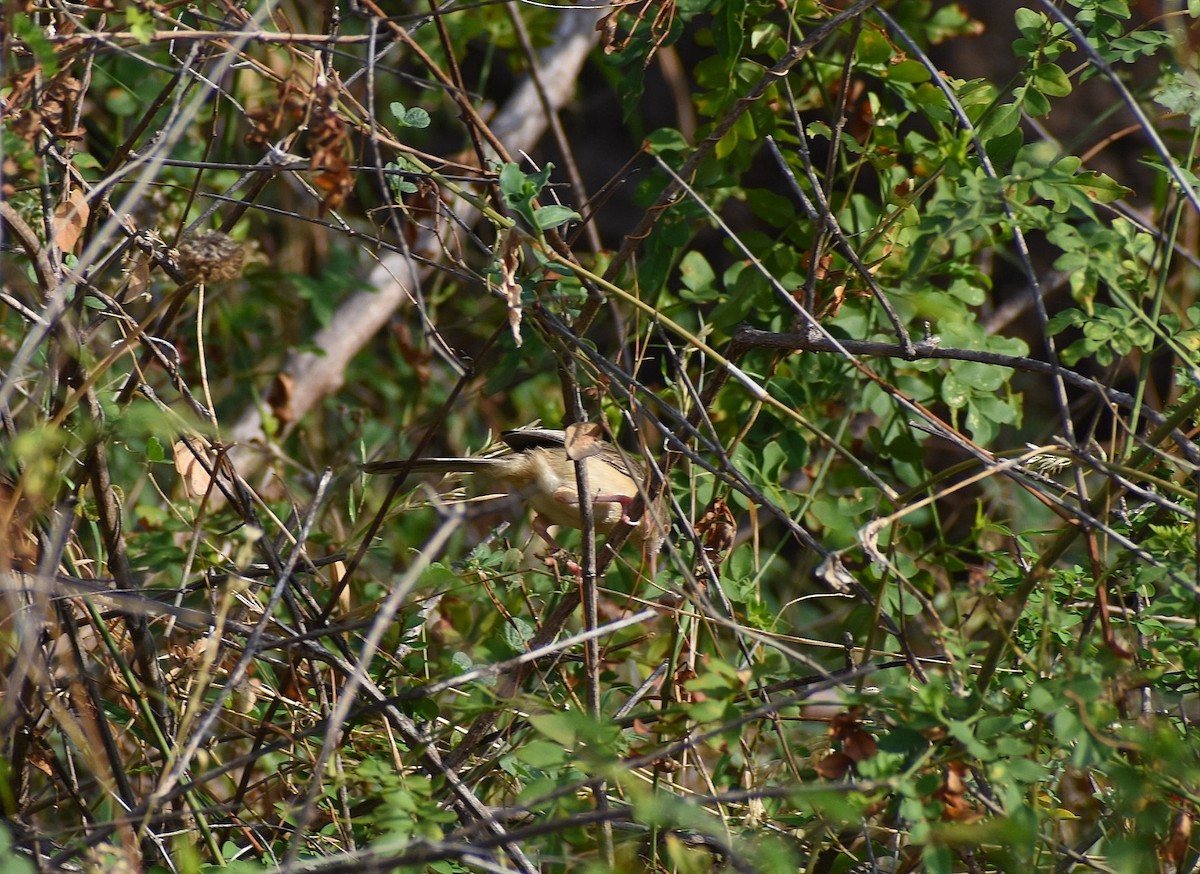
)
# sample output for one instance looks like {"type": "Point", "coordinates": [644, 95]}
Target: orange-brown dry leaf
{"type": "Point", "coordinates": [139, 275]}
{"type": "Point", "coordinates": [952, 793]}
{"type": "Point", "coordinates": [19, 548]}
{"type": "Point", "coordinates": [1180, 838]}
{"type": "Point", "coordinates": [70, 218]}
{"type": "Point", "coordinates": [510, 287]}
{"type": "Point", "coordinates": [57, 101]}
{"type": "Point", "coordinates": [335, 572]}
{"type": "Point", "coordinates": [335, 180]}
{"type": "Point", "coordinates": [39, 759]}
{"type": "Point", "coordinates": [329, 141]}
{"type": "Point", "coordinates": [834, 766]}
{"type": "Point", "coordinates": [196, 480]}
{"type": "Point", "coordinates": [290, 686]}
{"type": "Point", "coordinates": [717, 530]}
{"type": "Point", "coordinates": [859, 746]}
{"type": "Point", "coordinates": [279, 396]}
{"type": "Point", "coordinates": [827, 309]}
{"type": "Point", "coordinates": [822, 268]}
{"type": "Point", "coordinates": [841, 726]}
{"type": "Point", "coordinates": [607, 26]}
{"type": "Point", "coordinates": [583, 440]}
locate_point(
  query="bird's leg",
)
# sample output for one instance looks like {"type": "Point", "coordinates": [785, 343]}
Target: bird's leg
{"type": "Point", "coordinates": [623, 500]}
{"type": "Point", "coordinates": [542, 529]}
{"type": "Point", "coordinates": [571, 498]}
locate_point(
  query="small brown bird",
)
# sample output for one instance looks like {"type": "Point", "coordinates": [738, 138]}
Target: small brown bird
{"type": "Point", "coordinates": [539, 472]}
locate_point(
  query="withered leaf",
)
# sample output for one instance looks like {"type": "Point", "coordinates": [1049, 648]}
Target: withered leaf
{"type": "Point", "coordinates": [70, 218]}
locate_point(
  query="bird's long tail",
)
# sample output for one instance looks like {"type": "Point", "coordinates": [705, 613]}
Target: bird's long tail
{"type": "Point", "coordinates": [434, 465]}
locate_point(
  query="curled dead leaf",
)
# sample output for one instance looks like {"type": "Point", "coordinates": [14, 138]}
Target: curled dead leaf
{"type": "Point", "coordinates": [1180, 838]}
{"type": "Point", "coordinates": [860, 746]}
{"type": "Point", "coordinates": [834, 766]}
{"type": "Point", "coordinates": [70, 218]}
{"type": "Point", "coordinates": [857, 743]}
{"type": "Point", "coordinates": [717, 530]}
{"type": "Point", "coordinates": [957, 807]}
{"type": "Point", "coordinates": [279, 396]}
{"type": "Point", "coordinates": [510, 286]}
{"type": "Point", "coordinates": [196, 478]}
{"type": "Point", "coordinates": [584, 440]}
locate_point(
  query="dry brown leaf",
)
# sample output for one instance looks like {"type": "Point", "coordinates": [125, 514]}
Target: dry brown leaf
{"type": "Point", "coordinates": [335, 572]}
{"type": "Point", "coordinates": [607, 27]}
{"type": "Point", "coordinates": [957, 806]}
{"type": "Point", "coordinates": [328, 137]}
{"type": "Point", "coordinates": [70, 218]}
{"type": "Point", "coordinates": [857, 743]}
{"type": "Point", "coordinates": [280, 397]}
{"type": "Point", "coordinates": [834, 766]}
{"type": "Point", "coordinates": [41, 761]}
{"type": "Point", "coordinates": [196, 480]}
{"type": "Point", "coordinates": [19, 550]}
{"type": "Point", "coordinates": [860, 746]}
{"type": "Point", "coordinates": [717, 530]}
{"type": "Point", "coordinates": [584, 440]}
{"type": "Point", "coordinates": [845, 723]}
{"type": "Point", "coordinates": [510, 287]}
{"type": "Point", "coordinates": [1179, 839]}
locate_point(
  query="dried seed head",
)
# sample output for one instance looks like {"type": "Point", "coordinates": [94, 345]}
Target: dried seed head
{"type": "Point", "coordinates": [211, 256]}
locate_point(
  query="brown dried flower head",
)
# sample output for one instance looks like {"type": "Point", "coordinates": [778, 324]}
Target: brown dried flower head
{"type": "Point", "coordinates": [211, 256]}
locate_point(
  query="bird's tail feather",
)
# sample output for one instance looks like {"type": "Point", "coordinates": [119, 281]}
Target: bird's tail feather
{"type": "Point", "coordinates": [433, 465]}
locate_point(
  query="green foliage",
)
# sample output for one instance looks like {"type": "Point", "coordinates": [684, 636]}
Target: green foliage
{"type": "Point", "coordinates": [520, 190]}
{"type": "Point", "coordinates": [414, 117]}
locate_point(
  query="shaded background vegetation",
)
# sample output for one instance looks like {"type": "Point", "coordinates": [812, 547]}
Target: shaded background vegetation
{"type": "Point", "coordinates": [897, 299]}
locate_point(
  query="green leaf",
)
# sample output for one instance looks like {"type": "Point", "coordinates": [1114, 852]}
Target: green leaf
{"type": "Point", "coordinates": [773, 208]}
{"type": "Point", "coordinates": [416, 117]}
{"type": "Point", "coordinates": [1001, 121]}
{"type": "Point", "coordinates": [729, 29]}
{"type": "Point", "coordinates": [1030, 23]}
{"type": "Point", "coordinates": [698, 277]}
{"type": "Point", "coordinates": [141, 25]}
{"type": "Point", "coordinates": [666, 139]}
{"type": "Point", "coordinates": [819, 129]}
{"type": "Point", "coordinates": [1035, 103]}
{"type": "Point", "coordinates": [907, 71]}
{"type": "Point", "coordinates": [1099, 187]}
{"type": "Point", "coordinates": [512, 181]}
{"type": "Point", "coordinates": [542, 754]}
{"type": "Point", "coordinates": [938, 859]}
{"type": "Point", "coordinates": [519, 190]}
{"type": "Point", "coordinates": [405, 117]}
{"type": "Point", "coordinates": [547, 217]}
{"type": "Point", "coordinates": [1180, 92]}
{"type": "Point", "coordinates": [1050, 80]}
{"type": "Point", "coordinates": [34, 37]}
{"type": "Point", "coordinates": [559, 727]}
{"type": "Point", "coordinates": [1003, 149]}
{"type": "Point", "coordinates": [14, 863]}
{"type": "Point", "coordinates": [517, 633]}
{"type": "Point", "coordinates": [955, 392]}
